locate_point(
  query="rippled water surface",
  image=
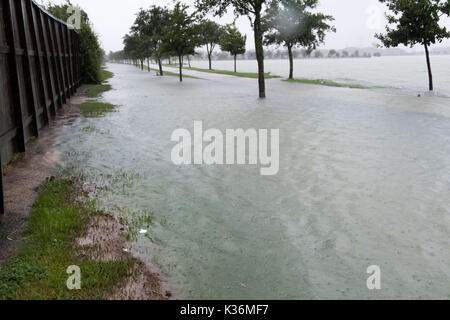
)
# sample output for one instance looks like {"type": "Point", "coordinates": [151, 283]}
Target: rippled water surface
{"type": "Point", "coordinates": [364, 180]}
{"type": "Point", "coordinates": [408, 73]}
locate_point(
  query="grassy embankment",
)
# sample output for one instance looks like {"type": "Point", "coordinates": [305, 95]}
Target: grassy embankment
{"type": "Point", "coordinates": [38, 270]}
{"type": "Point", "coordinates": [93, 108]}
{"type": "Point", "coordinates": [226, 72]}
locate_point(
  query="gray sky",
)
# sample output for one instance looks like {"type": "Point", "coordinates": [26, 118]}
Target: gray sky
{"type": "Point", "coordinates": [356, 20]}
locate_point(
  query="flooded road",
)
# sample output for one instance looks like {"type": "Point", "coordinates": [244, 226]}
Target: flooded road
{"type": "Point", "coordinates": [364, 180]}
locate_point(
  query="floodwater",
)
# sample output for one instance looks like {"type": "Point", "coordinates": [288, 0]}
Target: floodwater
{"type": "Point", "coordinates": [407, 73]}
{"type": "Point", "coordinates": [364, 180]}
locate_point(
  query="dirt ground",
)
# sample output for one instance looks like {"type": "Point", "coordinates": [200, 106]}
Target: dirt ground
{"type": "Point", "coordinates": [22, 184]}
{"type": "Point", "coordinates": [28, 173]}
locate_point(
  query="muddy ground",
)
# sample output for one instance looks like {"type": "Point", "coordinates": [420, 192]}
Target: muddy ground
{"type": "Point", "coordinates": [22, 185]}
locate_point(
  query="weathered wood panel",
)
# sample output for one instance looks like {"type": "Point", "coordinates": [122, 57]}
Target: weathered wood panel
{"type": "Point", "coordinates": [39, 71]}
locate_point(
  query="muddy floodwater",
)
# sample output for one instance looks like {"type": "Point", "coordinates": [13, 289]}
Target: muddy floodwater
{"type": "Point", "coordinates": [364, 180]}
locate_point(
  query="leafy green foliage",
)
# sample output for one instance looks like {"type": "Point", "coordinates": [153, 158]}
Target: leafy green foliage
{"type": "Point", "coordinates": [91, 53]}
{"type": "Point", "coordinates": [210, 33]}
{"type": "Point", "coordinates": [416, 22]}
{"type": "Point", "coordinates": [232, 40]}
{"type": "Point", "coordinates": [292, 24]}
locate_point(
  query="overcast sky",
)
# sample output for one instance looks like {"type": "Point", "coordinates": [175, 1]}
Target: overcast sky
{"type": "Point", "coordinates": [356, 20]}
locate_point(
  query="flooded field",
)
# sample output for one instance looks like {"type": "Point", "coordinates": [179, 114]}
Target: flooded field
{"type": "Point", "coordinates": [364, 180]}
{"type": "Point", "coordinates": [408, 73]}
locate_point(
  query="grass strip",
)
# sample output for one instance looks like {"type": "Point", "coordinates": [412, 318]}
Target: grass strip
{"type": "Point", "coordinates": [229, 73]}
{"type": "Point", "coordinates": [39, 270]}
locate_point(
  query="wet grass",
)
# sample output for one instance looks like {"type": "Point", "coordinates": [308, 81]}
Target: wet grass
{"type": "Point", "coordinates": [39, 270]}
{"type": "Point", "coordinates": [105, 75]}
{"type": "Point", "coordinates": [96, 90]}
{"type": "Point", "coordinates": [329, 83]}
{"type": "Point", "coordinates": [174, 74]}
{"type": "Point", "coordinates": [229, 73]}
{"type": "Point", "coordinates": [95, 109]}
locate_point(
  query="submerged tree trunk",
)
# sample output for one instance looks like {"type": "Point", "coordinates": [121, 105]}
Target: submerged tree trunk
{"type": "Point", "coordinates": [161, 73]}
{"type": "Point", "coordinates": [259, 53]}
{"type": "Point", "coordinates": [291, 63]}
{"type": "Point", "coordinates": [181, 68]}
{"type": "Point", "coordinates": [235, 58]}
{"type": "Point", "coordinates": [430, 74]}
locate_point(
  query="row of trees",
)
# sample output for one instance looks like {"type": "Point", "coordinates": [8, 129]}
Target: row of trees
{"type": "Point", "coordinates": [163, 33]}
{"type": "Point", "coordinates": [160, 32]}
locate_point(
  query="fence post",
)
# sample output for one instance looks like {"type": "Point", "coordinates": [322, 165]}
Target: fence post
{"type": "Point", "coordinates": [2, 201]}
{"type": "Point", "coordinates": [13, 72]}
{"type": "Point", "coordinates": [27, 69]}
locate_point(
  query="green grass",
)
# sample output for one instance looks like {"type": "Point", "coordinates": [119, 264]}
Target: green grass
{"type": "Point", "coordinates": [105, 75]}
{"type": "Point", "coordinates": [175, 74]}
{"type": "Point", "coordinates": [229, 73]}
{"type": "Point", "coordinates": [96, 90]}
{"type": "Point", "coordinates": [328, 83]}
{"type": "Point", "coordinates": [38, 270]}
{"type": "Point", "coordinates": [95, 109]}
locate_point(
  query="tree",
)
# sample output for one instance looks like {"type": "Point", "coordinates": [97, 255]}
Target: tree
{"type": "Point", "coordinates": [137, 48]}
{"type": "Point", "coordinates": [152, 23]}
{"type": "Point", "coordinates": [233, 42]}
{"type": "Point", "coordinates": [210, 33]}
{"type": "Point", "coordinates": [291, 24]}
{"type": "Point", "coordinates": [181, 36]}
{"type": "Point", "coordinates": [91, 53]}
{"type": "Point", "coordinates": [416, 22]}
{"type": "Point", "coordinates": [253, 9]}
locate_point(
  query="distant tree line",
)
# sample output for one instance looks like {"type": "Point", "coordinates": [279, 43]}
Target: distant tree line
{"type": "Point", "coordinates": [160, 33]}
{"type": "Point", "coordinates": [293, 25]}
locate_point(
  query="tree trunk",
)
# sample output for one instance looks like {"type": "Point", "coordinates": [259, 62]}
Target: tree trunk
{"type": "Point", "coordinates": [148, 64]}
{"type": "Point", "coordinates": [142, 64]}
{"type": "Point", "coordinates": [235, 58]}
{"type": "Point", "coordinates": [181, 68]}
{"type": "Point", "coordinates": [210, 62]}
{"type": "Point", "coordinates": [259, 53]}
{"type": "Point", "coordinates": [189, 61]}
{"type": "Point", "coordinates": [430, 74]}
{"type": "Point", "coordinates": [291, 63]}
{"type": "Point", "coordinates": [161, 73]}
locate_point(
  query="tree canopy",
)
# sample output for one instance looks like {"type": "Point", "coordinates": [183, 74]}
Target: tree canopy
{"type": "Point", "coordinates": [91, 53]}
{"type": "Point", "coordinates": [414, 22]}
{"type": "Point", "coordinates": [290, 23]}
{"type": "Point", "coordinates": [233, 42]}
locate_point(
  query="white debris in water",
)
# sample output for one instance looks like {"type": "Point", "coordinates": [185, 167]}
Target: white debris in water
{"type": "Point", "coordinates": [143, 231]}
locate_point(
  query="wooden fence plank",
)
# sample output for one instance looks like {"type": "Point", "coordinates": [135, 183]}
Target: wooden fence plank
{"type": "Point", "coordinates": [14, 89]}
{"type": "Point", "coordinates": [30, 86]}
{"type": "Point", "coordinates": [41, 60]}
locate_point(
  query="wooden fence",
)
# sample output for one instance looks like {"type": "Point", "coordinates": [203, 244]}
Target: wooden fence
{"type": "Point", "coordinates": [39, 71]}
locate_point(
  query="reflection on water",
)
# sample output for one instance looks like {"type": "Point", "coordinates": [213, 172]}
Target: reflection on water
{"type": "Point", "coordinates": [364, 180]}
